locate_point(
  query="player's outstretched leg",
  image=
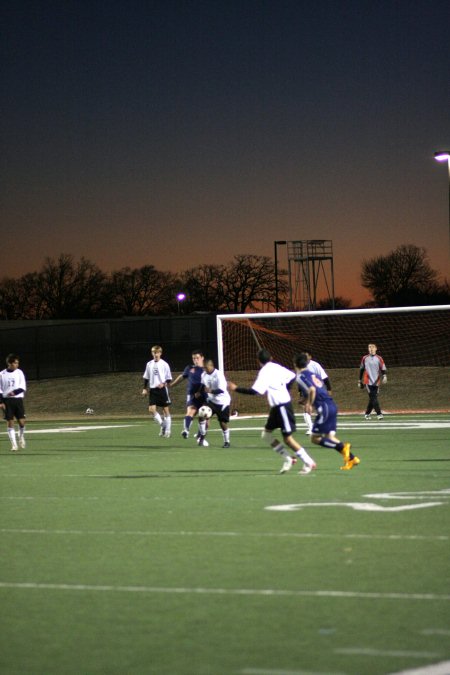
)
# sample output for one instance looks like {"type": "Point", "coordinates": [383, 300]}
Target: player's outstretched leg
{"type": "Point", "coordinates": [279, 448]}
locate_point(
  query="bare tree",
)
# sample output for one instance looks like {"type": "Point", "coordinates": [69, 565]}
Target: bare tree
{"type": "Point", "coordinates": [249, 283]}
{"type": "Point", "coordinates": [142, 291]}
{"type": "Point", "coordinates": [204, 287]}
{"type": "Point", "coordinates": [397, 278]}
{"type": "Point", "coordinates": [11, 299]}
{"type": "Point", "coordinates": [65, 290]}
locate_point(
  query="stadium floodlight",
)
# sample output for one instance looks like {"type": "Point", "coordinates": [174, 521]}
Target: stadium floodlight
{"type": "Point", "coordinates": [444, 156]}
{"type": "Point", "coordinates": [180, 298]}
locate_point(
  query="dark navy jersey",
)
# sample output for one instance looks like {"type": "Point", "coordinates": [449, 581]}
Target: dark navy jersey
{"type": "Point", "coordinates": [305, 380]}
{"type": "Point", "coordinates": [193, 374]}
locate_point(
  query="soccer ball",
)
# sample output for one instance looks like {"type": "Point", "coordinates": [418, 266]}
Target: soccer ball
{"type": "Point", "coordinates": [205, 412]}
{"type": "Point", "coordinates": [89, 411]}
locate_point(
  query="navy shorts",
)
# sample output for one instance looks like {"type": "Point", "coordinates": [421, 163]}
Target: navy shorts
{"type": "Point", "coordinates": [326, 420]}
{"type": "Point", "coordinates": [196, 402]}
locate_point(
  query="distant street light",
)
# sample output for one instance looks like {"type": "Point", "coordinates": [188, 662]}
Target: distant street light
{"type": "Point", "coordinates": [180, 298]}
{"type": "Point", "coordinates": [444, 156]}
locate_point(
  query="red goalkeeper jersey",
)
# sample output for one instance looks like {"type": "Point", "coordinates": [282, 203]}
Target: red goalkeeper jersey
{"type": "Point", "coordinates": [374, 367]}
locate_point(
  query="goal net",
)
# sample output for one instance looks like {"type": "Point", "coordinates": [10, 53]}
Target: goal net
{"type": "Point", "coordinates": [413, 341]}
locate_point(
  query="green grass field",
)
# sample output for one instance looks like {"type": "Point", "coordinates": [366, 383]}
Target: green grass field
{"type": "Point", "coordinates": [123, 553]}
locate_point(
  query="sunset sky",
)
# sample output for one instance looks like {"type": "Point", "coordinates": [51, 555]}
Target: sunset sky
{"type": "Point", "coordinates": [177, 133]}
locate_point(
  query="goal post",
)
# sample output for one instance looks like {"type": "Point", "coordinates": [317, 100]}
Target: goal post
{"type": "Point", "coordinates": [407, 337]}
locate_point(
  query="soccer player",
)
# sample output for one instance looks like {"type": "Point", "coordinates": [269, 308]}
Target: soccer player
{"type": "Point", "coordinates": [372, 371]}
{"type": "Point", "coordinates": [195, 397]}
{"type": "Point", "coordinates": [324, 428]}
{"type": "Point", "coordinates": [273, 379]}
{"type": "Point", "coordinates": [12, 391]}
{"type": "Point", "coordinates": [316, 368]}
{"type": "Point", "coordinates": [218, 399]}
{"type": "Point", "coordinates": [157, 376]}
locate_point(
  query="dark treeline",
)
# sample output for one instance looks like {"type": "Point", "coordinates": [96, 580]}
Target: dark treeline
{"type": "Point", "coordinates": [66, 289]}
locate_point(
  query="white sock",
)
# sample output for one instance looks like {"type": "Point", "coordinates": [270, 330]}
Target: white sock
{"type": "Point", "coordinates": [168, 424]}
{"type": "Point", "coordinates": [21, 432]}
{"type": "Point", "coordinates": [306, 459]}
{"type": "Point", "coordinates": [12, 435]}
{"type": "Point", "coordinates": [226, 435]}
{"type": "Point", "coordinates": [202, 427]}
{"type": "Point", "coordinates": [157, 417]}
{"type": "Point", "coordinates": [308, 420]}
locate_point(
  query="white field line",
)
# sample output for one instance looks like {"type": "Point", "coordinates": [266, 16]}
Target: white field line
{"type": "Point", "coordinates": [442, 668]}
{"type": "Point", "coordinates": [246, 535]}
{"type": "Point", "coordinates": [359, 416]}
{"type": "Point", "coordinates": [394, 424]}
{"type": "Point", "coordinates": [62, 430]}
{"type": "Point", "coordinates": [262, 592]}
{"type": "Point", "coordinates": [371, 427]}
{"type": "Point", "coordinates": [266, 671]}
{"type": "Point", "coordinates": [400, 653]}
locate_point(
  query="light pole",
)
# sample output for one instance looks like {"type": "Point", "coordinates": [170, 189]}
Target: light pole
{"type": "Point", "coordinates": [276, 244]}
{"type": "Point", "coordinates": [444, 156]}
{"type": "Point", "coordinates": [180, 298]}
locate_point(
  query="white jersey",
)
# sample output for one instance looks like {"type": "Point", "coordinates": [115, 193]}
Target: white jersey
{"type": "Point", "coordinates": [10, 380]}
{"type": "Point", "coordinates": [216, 380]}
{"type": "Point", "coordinates": [316, 368]}
{"type": "Point", "coordinates": [157, 373]}
{"type": "Point", "coordinates": [272, 380]}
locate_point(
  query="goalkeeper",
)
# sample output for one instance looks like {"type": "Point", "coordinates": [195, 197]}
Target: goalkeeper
{"type": "Point", "coordinates": [372, 372]}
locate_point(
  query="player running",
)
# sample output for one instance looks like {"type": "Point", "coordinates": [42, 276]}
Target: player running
{"type": "Point", "coordinates": [273, 380]}
{"type": "Point", "coordinates": [315, 395]}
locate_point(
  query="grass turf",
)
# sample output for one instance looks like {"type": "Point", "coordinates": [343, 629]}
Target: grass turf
{"type": "Point", "coordinates": [126, 553]}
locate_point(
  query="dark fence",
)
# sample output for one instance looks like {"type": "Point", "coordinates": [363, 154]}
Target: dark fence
{"type": "Point", "coordinates": [65, 348]}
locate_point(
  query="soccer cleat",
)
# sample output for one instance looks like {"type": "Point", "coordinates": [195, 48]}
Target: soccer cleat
{"type": "Point", "coordinates": [226, 445]}
{"type": "Point", "coordinates": [288, 464]}
{"type": "Point", "coordinates": [185, 433]}
{"type": "Point", "coordinates": [346, 452]}
{"type": "Point", "coordinates": [161, 430]}
{"type": "Point", "coordinates": [22, 443]}
{"type": "Point", "coordinates": [379, 417]}
{"type": "Point", "coordinates": [350, 464]}
{"type": "Point", "coordinates": [308, 432]}
{"type": "Point", "coordinates": [201, 440]}
{"type": "Point", "coordinates": [307, 468]}
{"type": "Point", "coordinates": [14, 447]}
{"type": "Point", "coordinates": [367, 417]}
{"type": "Point", "coordinates": [167, 434]}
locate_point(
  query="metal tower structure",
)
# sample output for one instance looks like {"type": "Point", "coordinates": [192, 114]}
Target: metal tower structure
{"type": "Point", "coordinates": [310, 270]}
